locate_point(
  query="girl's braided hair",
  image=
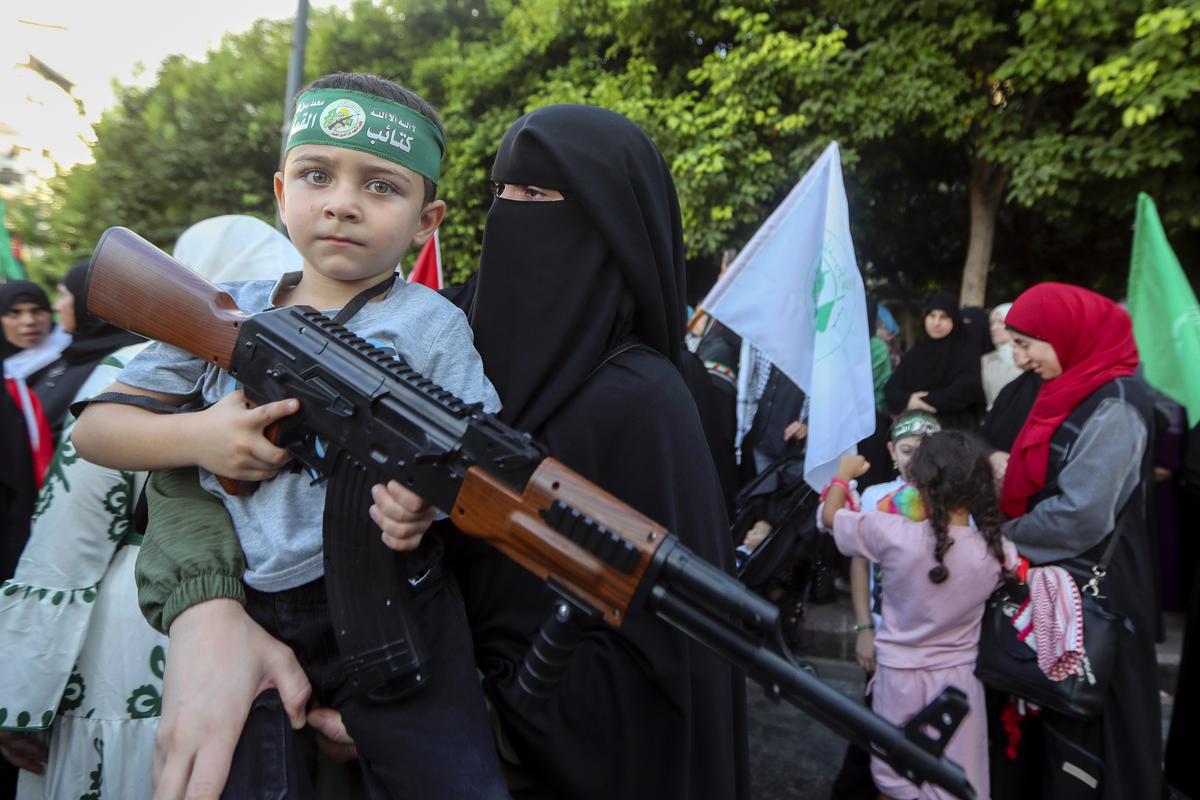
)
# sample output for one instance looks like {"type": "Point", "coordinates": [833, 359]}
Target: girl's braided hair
{"type": "Point", "coordinates": [952, 471]}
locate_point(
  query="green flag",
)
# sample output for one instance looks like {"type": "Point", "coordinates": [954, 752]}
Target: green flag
{"type": "Point", "coordinates": [10, 268]}
{"type": "Point", "coordinates": [1166, 317]}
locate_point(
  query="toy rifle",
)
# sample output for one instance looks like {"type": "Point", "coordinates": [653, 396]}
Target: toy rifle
{"type": "Point", "coordinates": [378, 416]}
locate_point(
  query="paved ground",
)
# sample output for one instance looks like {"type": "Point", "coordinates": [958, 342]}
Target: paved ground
{"type": "Point", "coordinates": [791, 756]}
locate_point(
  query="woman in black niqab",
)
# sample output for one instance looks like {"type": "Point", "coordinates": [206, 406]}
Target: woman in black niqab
{"type": "Point", "coordinates": [946, 368]}
{"type": "Point", "coordinates": [563, 283]}
{"type": "Point", "coordinates": [578, 314]}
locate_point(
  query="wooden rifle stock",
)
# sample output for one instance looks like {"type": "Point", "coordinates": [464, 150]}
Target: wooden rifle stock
{"type": "Point", "coordinates": [129, 275]}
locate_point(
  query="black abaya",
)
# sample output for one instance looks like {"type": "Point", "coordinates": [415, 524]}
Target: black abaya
{"type": "Point", "coordinates": [643, 713]}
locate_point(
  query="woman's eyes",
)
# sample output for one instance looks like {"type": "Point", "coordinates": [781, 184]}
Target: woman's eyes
{"type": "Point", "coordinates": [515, 191]}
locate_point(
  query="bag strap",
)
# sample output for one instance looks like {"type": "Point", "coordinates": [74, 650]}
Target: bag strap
{"type": "Point", "coordinates": [1100, 568]}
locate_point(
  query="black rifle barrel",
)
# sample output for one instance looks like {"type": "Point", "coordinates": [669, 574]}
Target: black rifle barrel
{"type": "Point", "coordinates": [833, 709]}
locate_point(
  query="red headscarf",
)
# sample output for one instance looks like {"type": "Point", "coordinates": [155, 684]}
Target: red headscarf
{"type": "Point", "coordinates": [1093, 339]}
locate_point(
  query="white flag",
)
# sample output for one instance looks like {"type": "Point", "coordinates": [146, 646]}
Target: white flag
{"type": "Point", "coordinates": [794, 291]}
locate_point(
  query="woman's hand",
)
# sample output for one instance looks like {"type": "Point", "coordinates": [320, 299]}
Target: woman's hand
{"type": "Point", "coordinates": [24, 751]}
{"type": "Point", "coordinates": [219, 660]}
{"type": "Point", "coordinates": [999, 462]}
{"type": "Point", "coordinates": [401, 515]}
{"type": "Point", "coordinates": [916, 402]}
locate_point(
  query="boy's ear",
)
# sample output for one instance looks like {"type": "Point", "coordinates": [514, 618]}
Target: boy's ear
{"type": "Point", "coordinates": [279, 198]}
{"type": "Point", "coordinates": [431, 217]}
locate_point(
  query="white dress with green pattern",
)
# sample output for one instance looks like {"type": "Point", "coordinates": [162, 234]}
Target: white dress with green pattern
{"type": "Point", "coordinates": [81, 666]}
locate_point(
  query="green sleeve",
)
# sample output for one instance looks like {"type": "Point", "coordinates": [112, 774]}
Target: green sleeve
{"type": "Point", "coordinates": [190, 553]}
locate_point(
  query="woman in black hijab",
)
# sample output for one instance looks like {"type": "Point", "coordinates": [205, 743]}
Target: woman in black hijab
{"type": "Point", "coordinates": [93, 341]}
{"type": "Point", "coordinates": [25, 442]}
{"type": "Point", "coordinates": [940, 374]}
{"type": "Point", "coordinates": [578, 314]}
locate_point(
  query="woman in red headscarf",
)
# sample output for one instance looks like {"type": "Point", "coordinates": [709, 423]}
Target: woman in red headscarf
{"type": "Point", "coordinates": [1074, 485]}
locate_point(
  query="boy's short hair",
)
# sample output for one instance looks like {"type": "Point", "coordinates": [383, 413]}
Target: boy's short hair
{"type": "Point", "coordinates": [389, 90]}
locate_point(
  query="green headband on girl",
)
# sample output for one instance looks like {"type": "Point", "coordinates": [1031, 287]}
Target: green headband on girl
{"type": "Point", "coordinates": [914, 425]}
{"type": "Point", "coordinates": [375, 125]}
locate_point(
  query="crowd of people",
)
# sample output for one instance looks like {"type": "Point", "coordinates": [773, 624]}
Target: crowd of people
{"type": "Point", "coordinates": [1009, 442]}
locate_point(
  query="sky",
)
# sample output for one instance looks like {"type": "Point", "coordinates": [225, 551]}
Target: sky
{"type": "Point", "coordinates": [91, 43]}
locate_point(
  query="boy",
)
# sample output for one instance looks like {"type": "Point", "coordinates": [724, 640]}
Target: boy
{"type": "Point", "coordinates": [357, 187]}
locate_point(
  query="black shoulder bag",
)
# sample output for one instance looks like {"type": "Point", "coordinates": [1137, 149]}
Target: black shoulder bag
{"type": "Point", "coordinates": [1008, 664]}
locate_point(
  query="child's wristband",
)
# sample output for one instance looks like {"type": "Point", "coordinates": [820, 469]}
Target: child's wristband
{"type": "Point", "coordinates": [864, 626]}
{"type": "Point", "coordinates": [851, 503]}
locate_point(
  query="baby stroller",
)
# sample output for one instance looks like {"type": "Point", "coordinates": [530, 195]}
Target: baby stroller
{"type": "Point", "coordinates": [785, 566]}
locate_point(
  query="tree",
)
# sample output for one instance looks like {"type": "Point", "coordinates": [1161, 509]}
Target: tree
{"type": "Point", "coordinates": [1010, 134]}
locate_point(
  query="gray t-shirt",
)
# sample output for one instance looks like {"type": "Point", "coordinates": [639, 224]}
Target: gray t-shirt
{"type": "Point", "coordinates": [279, 525]}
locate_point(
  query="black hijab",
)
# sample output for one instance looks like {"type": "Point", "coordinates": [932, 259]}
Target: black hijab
{"type": "Point", "coordinates": [14, 292]}
{"type": "Point", "coordinates": [605, 267]}
{"type": "Point", "coordinates": [93, 337]}
{"type": "Point", "coordinates": [947, 368]}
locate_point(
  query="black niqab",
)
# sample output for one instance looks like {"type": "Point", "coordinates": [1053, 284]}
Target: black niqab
{"type": "Point", "coordinates": [616, 244]}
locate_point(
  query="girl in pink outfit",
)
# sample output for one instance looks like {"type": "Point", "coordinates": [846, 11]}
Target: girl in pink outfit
{"type": "Point", "coordinates": [937, 575]}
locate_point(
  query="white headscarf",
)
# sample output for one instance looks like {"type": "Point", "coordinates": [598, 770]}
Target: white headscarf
{"type": "Point", "coordinates": [1004, 350]}
{"type": "Point", "coordinates": [236, 247]}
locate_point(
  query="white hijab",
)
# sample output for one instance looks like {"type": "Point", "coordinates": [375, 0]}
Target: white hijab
{"type": "Point", "coordinates": [236, 247]}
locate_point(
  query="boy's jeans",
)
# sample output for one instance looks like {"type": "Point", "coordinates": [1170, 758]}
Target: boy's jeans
{"type": "Point", "coordinates": [433, 743]}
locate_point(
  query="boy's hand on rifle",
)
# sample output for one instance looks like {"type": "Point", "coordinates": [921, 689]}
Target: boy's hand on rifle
{"type": "Point", "coordinates": [229, 438]}
{"type": "Point", "coordinates": [852, 466]}
{"type": "Point", "coordinates": [401, 515]}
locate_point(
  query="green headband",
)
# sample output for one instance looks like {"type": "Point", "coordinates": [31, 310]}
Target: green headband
{"type": "Point", "coordinates": [914, 425]}
{"type": "Point", "coordinates": [375, 125]}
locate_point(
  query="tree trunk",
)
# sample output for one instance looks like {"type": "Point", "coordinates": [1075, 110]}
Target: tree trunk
{"type": "Point", "coordinates": [987, 188]}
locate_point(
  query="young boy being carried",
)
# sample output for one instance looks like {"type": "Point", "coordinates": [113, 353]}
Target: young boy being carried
{"type": "Point", "coordinates": [357, 187]}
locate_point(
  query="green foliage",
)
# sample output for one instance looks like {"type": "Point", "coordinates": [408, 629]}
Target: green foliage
{"type": "Point", "coordinates": [1071, 105]}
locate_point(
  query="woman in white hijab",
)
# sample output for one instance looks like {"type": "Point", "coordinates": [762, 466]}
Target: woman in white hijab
{"type": "Point", "coordinates": [998, 367]}
{"type": "Point", "coordinates": [81, 688]}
